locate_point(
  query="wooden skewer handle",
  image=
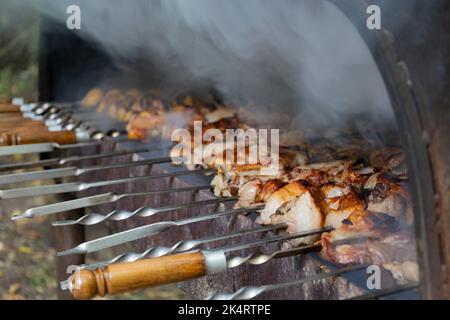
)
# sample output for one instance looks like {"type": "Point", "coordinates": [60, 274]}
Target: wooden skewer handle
{"type": "Point", "coordinates": [13, 125]}
{"type": "Point", "coordinates": [11, 116]}
{"type": "Point", "coordinates": [122, 277]}
{"type": "Point", "coordinates": [36, 135]}
{"type": "Point", "coordinates": [9, 108]}
{"type": "Point", "coordinates": [13, 121]}
{"type": "Point", "coordinates": [5, 99]}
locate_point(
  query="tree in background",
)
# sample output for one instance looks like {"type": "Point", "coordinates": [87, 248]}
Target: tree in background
{"type": "Point", "coordinates": [19, 33]}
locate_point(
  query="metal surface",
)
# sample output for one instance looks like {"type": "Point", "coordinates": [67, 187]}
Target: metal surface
{"type": "Point", "coordinates": [215, 261]}
{"type": "Point", "coordinates": [76, 186]}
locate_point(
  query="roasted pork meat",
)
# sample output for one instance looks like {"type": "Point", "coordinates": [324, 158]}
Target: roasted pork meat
{"type": "Point", "coordinates": [350, 185]}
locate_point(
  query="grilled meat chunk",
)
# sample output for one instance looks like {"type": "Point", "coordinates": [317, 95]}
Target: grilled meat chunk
{"type": "Point", "coordinates": [387, 196]}
{"type": "Point", "coordinates": [339, 203]}
{"type": "Point", "coordinates": [248, 192]}
{"type": "Point", "coordinates": [340, 246]}
{"type": "Point", "coordinates": [228, 181]}
{"type": "Point", "coordinates": [301, 214]}
{"type": "Point", "coordinates": [295, 205]}
{"type": "Point", "coordinates": [280, 197]}
{"type": "Point", "coordinates": [403, 272]}
{"type": "Point", "coordinates": [146, 124]}
{"type": "Point", "coordinates": [269, 187]}
{"type": "Point", "coordinates": [230, 178]}
{"type": "Point", "coordinates": [219, 114]}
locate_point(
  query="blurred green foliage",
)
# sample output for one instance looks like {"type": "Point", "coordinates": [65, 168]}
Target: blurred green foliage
{"type": "Point", "coordinates": [19, 34]}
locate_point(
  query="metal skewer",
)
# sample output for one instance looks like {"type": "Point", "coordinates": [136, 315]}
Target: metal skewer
{"type": "Point", "coordinates": [85, 202]}
{"type": "Point", "coordinates": [118, 215]}
{"type": "Point", "coordinates": [99, 122]}
{"type": "Point", "coordinates": [145, 231]}
{"type": "Point", "coordinates": [120, 277]}
{"type": "Point", "coordinates": [250, 292]}
{"type": "Point", "coordinates": [64, 105]}
{"type": "Point", "coordinates": [51, 146]}
{"type": "Point", "coordinates": [233, 261]}
{"type": "Point", "coordinates": [181, 246]}
{"type": "Point", "coordinates": [42, 107]}
{"type": "Point", "coordinates": [77, 186]}
{"type": "Point", "coordinates": [74, 159]}
{"type": "Point", "coordinates": [91, 126]}
{"type": "Point", "coordinates": [289, 236]}
{"type": "Point", "coordinates": [73, 171]}
{"type": "Point", "coordinates": [257, 258]}
{"type": "Point", "coordinates": [42, 147]}
{"type": "Point", "coordinates": [383, 292]}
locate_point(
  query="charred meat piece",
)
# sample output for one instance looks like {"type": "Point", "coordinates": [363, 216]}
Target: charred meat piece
{"type": "Point", "coordinates": [318, 174]}
{"type": "Point", "coordinates": [146, 124]}
{"type": "Point", "coordinates": [396, 252]}
{"type": "Point", "coordinates": [339, 245]}
{"type": "Point", "coordinates": [268, 188]}
{"type": "Point", "coordinates": [231, 177]}
{"type": "Point", "coordinates": [389, 159]}
{"type": "Point", "coordinates": [387, 196]}
{"type": "Point", "coordinates": [228, 180]}
{"type": "Point", "coordinates": [338, 203]}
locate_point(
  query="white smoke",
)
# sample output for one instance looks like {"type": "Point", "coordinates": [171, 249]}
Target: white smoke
{"type": "Point", "coordinates": [302, 57]}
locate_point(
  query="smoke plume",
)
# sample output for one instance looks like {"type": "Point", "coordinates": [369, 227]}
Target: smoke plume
{"type": "Point", "coordinates": [302, 58]}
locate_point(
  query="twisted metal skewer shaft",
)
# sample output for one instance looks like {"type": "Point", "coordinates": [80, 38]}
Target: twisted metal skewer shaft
{"type": "Point", "coordinates": [152, 252]}
{"type": "Point", "coordinates": [120, 214]}
{"type": "Point", "coordinates": [147, 230]}
{"type": "Point", "coordinates": [109, 197]}
{"type": "Point", "coordinates": [257, 258]}
{"type": "Point", "coordinates": [180, 246]}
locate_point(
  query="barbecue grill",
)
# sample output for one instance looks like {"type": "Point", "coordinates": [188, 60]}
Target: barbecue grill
{"type": "Point", "coordinates": [129, 184]}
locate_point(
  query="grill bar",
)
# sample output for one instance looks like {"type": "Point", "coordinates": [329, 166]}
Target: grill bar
{"type": "Point", "coordinates": [384, 292]}
{"type": "Point", "coordinates": [250, 292]}
{"type": "Point", "coordinates": [85, 202]}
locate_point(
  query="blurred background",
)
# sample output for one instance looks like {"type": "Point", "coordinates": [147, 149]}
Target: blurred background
{"type": "Point", "coordinates": [27, 254]}
{"type": "Point", "coordinates": [19, 40]}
